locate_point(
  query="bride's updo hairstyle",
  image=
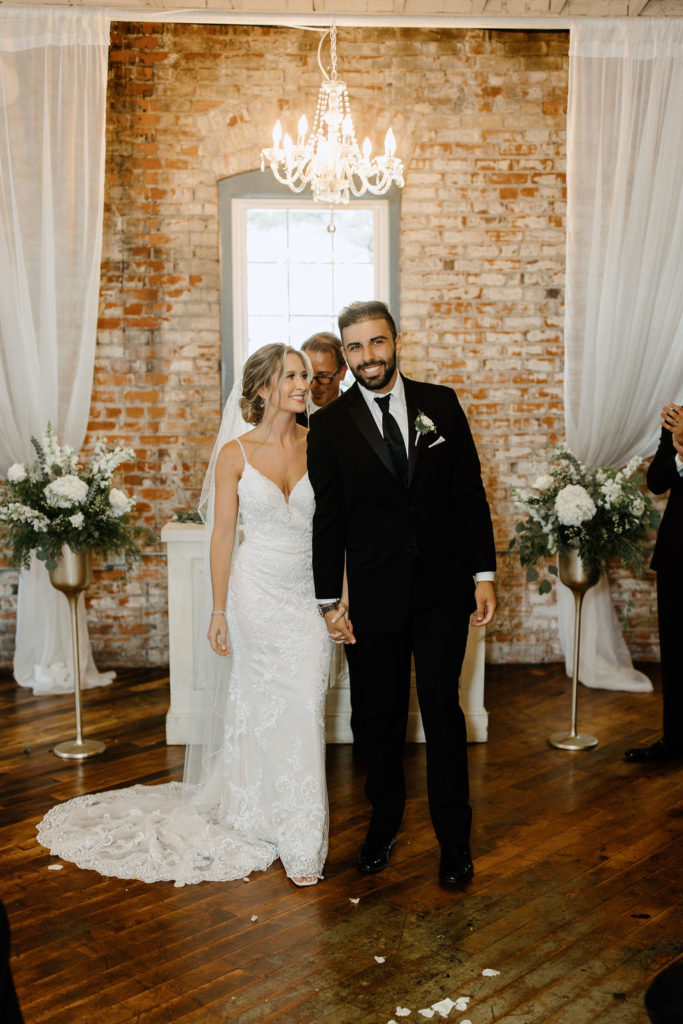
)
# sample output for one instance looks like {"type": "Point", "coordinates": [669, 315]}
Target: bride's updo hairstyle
{"type": "Point", "coordinates": [265, 369]}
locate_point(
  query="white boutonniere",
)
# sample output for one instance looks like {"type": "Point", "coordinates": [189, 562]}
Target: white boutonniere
{"type": "Point", "coordinates": [423, 424]}
{"type": "Point", "coordinates": [424, 427]}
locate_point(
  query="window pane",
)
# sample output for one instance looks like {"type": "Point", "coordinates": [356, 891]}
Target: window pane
{"type": "Point", "coordinates": [309, 239]}
{"type": "Point", "coordinates": [266, 329]}
{"type": "Point", "coordinates": [297, 274]}
{"type": "Point", "coordinates": [266, 235]}
{"type": "Point", "coordinates": [353, 238]}
{"type": "Point", "coordinates": [267, 288]}
{"type": "Point", "coordinates": [310, 289]}
{"type": "Point", "coordinates": [353, 284]}
{"type": "Point", "coordinates": [302, 327]}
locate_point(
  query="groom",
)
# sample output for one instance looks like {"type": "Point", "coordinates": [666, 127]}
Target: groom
{"type": "Point", "coordinates": [399, 499]}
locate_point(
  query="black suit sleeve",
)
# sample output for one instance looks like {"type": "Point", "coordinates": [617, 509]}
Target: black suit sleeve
{"type": "Point", "coordinates": [329, 526]}
{"type": "Point", "coordinates": [663, 472]}
{"type": "Point", "coordinates": [473, 513]}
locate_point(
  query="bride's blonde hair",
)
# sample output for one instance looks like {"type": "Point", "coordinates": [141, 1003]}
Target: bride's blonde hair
{"type": "Point", "coordinates": [265, 369]}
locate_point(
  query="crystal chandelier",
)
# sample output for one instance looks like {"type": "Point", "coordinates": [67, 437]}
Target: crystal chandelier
{"type": "Point", "coordinates": [330, 159]}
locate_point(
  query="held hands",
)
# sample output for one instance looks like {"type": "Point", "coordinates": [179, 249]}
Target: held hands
{"type": "Point", "coordinates": [218, 634]}
{"type": "Point", "coordinates": [485, 596]}
{"type": "Point", "coordinates": [339, 625]}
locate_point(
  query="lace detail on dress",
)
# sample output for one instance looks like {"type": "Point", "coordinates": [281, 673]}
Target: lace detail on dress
{"type": "Point", "coordinates": [266, 795]}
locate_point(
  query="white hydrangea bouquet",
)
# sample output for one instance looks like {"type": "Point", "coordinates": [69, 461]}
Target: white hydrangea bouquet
{"type": "Point", "coordinates": [598, 511]}
{"type": "Point", "coordinates": [56, 501]}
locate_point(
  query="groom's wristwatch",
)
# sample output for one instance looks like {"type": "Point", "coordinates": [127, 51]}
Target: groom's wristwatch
{"type": "Point", "coordinates": [325, 608]}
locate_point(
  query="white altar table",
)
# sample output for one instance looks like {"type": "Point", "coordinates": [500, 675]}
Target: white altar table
{"type": "Point", "coordinates": [184, 542]}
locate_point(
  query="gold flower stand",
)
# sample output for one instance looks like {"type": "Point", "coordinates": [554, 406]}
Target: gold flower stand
{"type": "Point", "coordinates": [72, 575]}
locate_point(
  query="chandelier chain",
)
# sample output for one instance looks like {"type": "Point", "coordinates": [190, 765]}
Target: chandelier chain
{"type": "Point", "coordinates": [333, 52]}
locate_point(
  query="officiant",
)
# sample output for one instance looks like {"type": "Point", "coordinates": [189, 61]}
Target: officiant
{"type": "Point", "coordinates": [324, 350]}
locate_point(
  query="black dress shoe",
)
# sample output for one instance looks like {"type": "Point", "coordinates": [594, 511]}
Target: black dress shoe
{"type": "Point", "coordinates": [659, 751]}
{"type": "Point", "coordinates": [456, 868]}
{"type": "Point", "coordinates": [374, 855]}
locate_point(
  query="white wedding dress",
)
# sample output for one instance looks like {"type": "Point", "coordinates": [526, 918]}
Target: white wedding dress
{"type": "Point", "coordinates": [263, 792]}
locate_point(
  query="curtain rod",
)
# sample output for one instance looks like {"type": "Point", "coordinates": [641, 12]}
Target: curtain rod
{"type": "Point", "coordinates": [313, 20]}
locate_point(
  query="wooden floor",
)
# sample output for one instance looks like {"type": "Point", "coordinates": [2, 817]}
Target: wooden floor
{"type": "Point", "coordinates": [577, 899]}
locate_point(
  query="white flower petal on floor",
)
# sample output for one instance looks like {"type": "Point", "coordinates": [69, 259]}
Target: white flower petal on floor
{"type": "Point", "coordinates": [254, 917]}
{"type": "Point", "coordinates": [462, 1002]}
{"type": "Point", "coordinates": [55, 867]}
{"type": "Point", "coordinates": [402, 1011]}
{"type": "Point", "coordinates": [427, 1013]}
{"type": "Point", "coordinates": [443, 1007]}
{"type": "Point", "coordinates": [489, 972]}
{"type": "Point", "coordinates": [380, 959]}
{"type": "Point", "coordinates": [353, 899]}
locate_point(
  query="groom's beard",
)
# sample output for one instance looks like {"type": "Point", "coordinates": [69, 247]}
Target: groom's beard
{"type": "Point", "coordinates": [381, 380]}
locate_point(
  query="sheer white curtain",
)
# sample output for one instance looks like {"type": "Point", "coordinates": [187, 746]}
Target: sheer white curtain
{"type": "Point", "coordinates": [53, 79]}
{"type": "Point", "coordinates": [624, 296]}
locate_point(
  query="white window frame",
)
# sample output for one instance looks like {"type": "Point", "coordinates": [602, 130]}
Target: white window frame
{"type": "Point", "coordinates": [256, 189]}
{"type": "Point", "coordinates": [240, 209]}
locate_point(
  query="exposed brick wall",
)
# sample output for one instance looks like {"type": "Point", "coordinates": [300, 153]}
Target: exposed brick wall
{"type": "Point", "coordinates": [480, 120]}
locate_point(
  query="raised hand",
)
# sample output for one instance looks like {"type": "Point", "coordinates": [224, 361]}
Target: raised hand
{"type": "Point", "coordinates": [672, 420]}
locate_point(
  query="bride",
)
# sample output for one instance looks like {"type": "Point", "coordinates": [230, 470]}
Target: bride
{"type": "Point", "coordinates": [254, 782]}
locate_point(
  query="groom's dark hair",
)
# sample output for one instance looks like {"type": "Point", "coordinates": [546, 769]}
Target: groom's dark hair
{"type": "Point", "coordinates": [359, 312]}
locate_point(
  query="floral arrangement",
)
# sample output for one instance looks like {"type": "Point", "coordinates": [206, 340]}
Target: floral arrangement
{"type": "Point", "coordinates": [55, 502]}
{"type": "Point", "coordinates": [598, 511]}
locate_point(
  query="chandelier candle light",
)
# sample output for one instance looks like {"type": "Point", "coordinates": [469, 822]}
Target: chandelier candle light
{"type": "Point", "coordinates": [330, 159]}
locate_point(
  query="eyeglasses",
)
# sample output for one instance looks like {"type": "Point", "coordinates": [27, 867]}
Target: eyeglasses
{"type": "Point", "coordinates": [325, 379]}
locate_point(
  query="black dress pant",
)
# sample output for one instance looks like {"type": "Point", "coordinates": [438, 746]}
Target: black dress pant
{"type": "Point", "coordinates": [379, 671]}
{"type": "Point", "coordinates": [670, 616]}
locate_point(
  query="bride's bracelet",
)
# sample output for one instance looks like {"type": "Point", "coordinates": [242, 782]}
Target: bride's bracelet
{"type": "Point", "coordinates": [219, 612]}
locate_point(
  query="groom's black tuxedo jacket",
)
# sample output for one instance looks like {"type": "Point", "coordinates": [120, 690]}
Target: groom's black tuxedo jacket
{"type": "Point", "coordinates": [404, 547]}
{"type": "Point", "coordinates": [662, 475]}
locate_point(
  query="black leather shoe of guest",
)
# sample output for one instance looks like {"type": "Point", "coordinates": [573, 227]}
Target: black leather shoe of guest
{"type": "Point", "coordinates": [374, 855]}
{"type": "Point", "coordinates": [659, 751]}
{"type": "Point", "coordinates": [456, 868]}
